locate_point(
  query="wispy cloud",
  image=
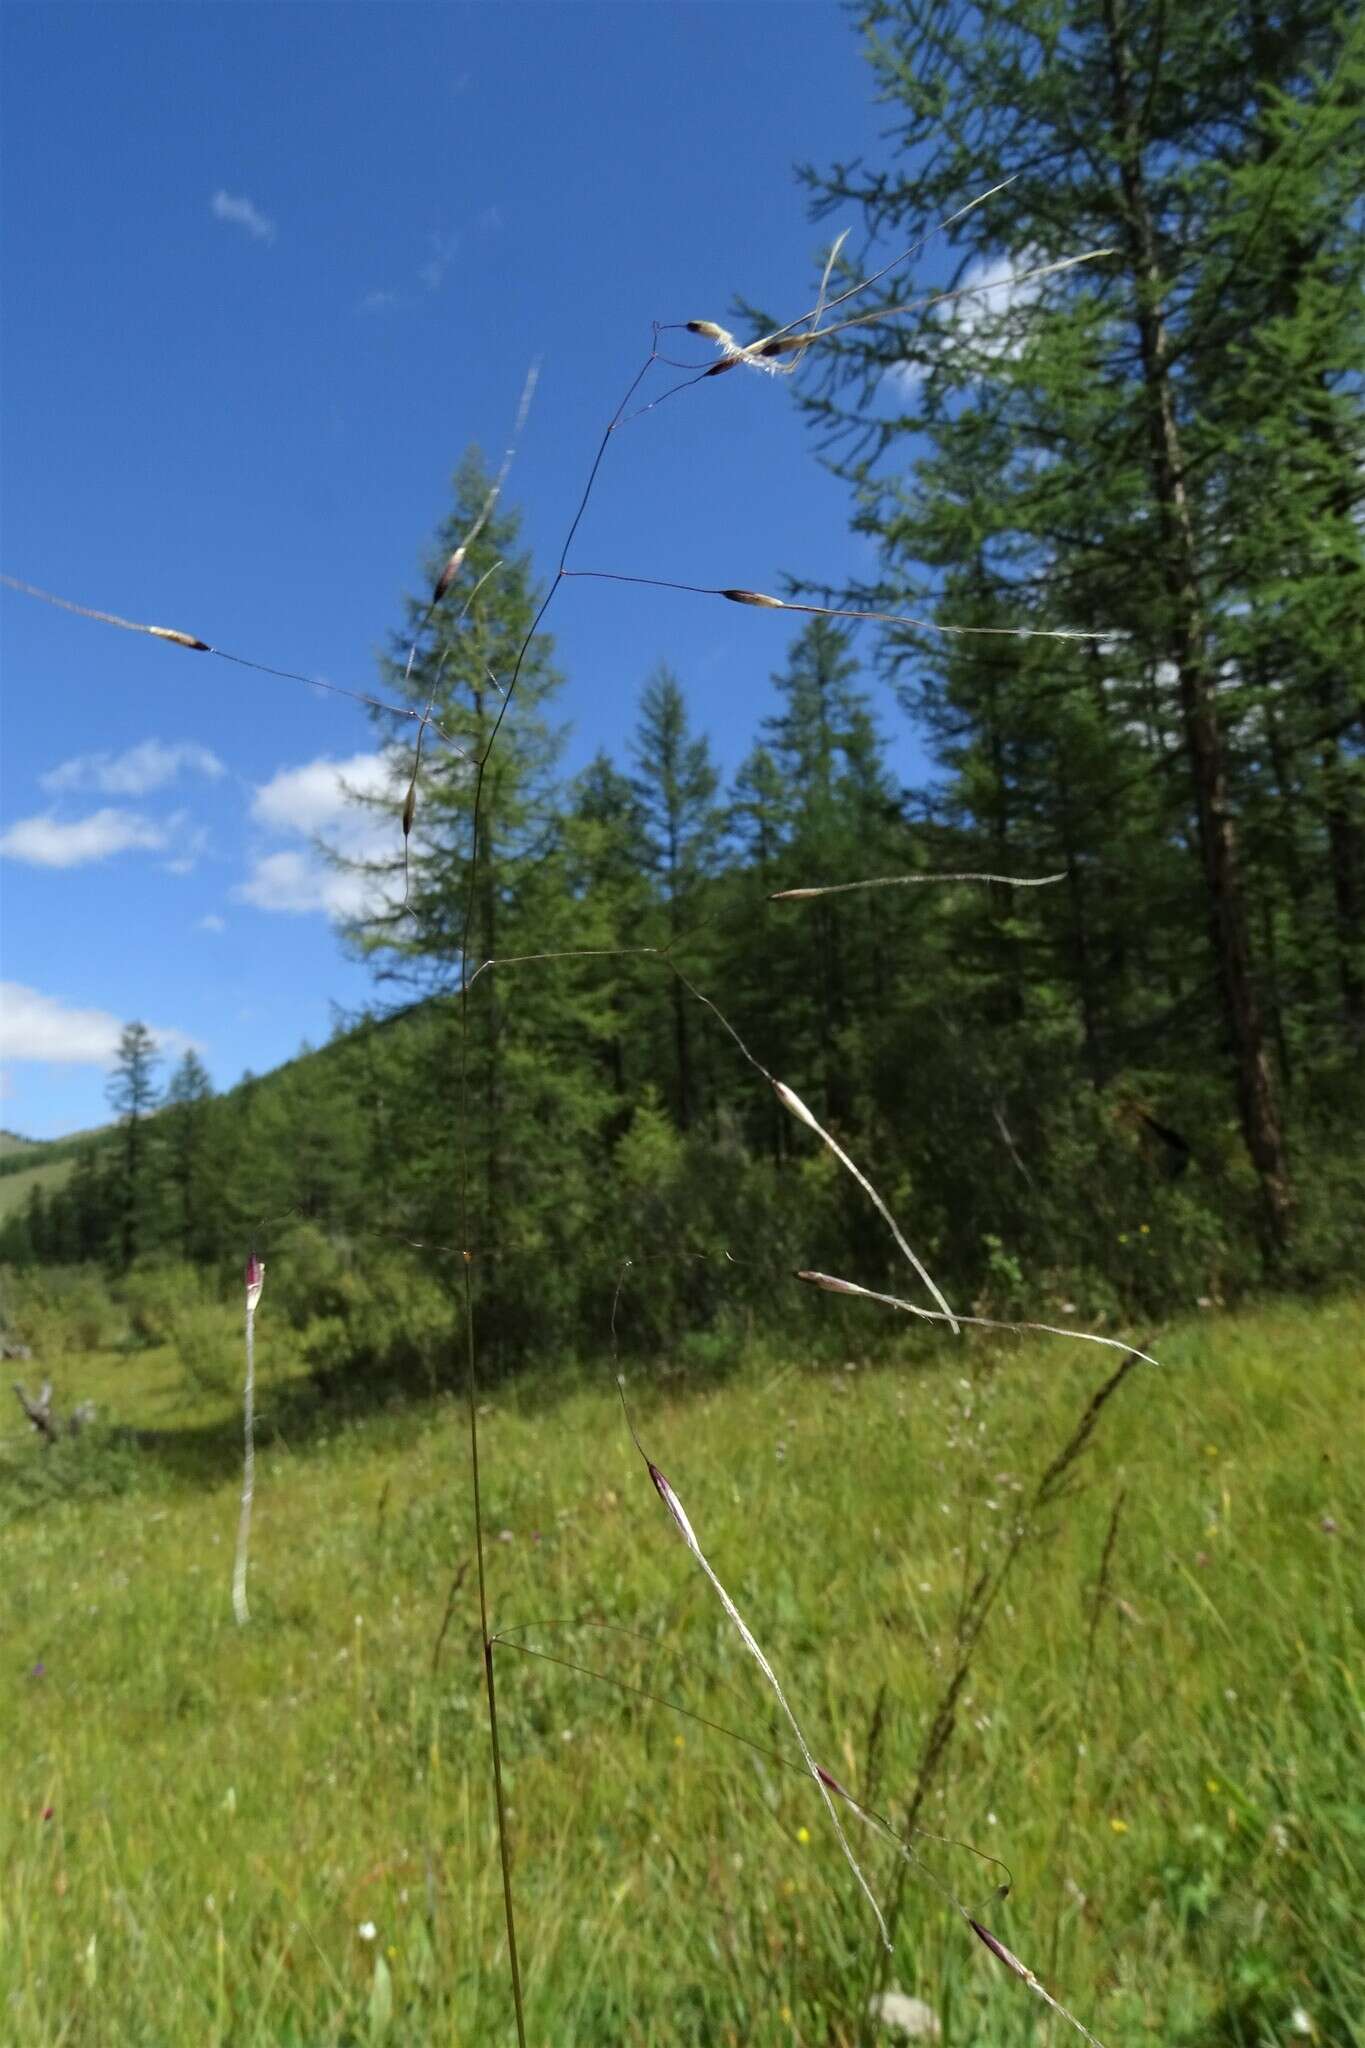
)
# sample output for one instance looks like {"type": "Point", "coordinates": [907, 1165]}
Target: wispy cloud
{"type": "Point", "coordinates": [34, 1026]}
{"type": "Point", "coordinates": [47, 842]}
{"type": "Point", "coordinates": [149, 765]}
{"type": "Point", "coordinates": [443, 252]}
{"type": "Point", "coordinates": [211, 922]}
{"type": "Point", "coordinates": [240, 213]}
{"type": "Point", "coordinates": [444, 247]}
{"type": "Point", "coordinates": [187, 842]}
{"type": "Point", "coordinates": [315, 801]}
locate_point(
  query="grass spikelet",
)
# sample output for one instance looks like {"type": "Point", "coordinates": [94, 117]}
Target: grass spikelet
{"type": "Point", "coordinates": [179, 639]}
{"type": "Point", "coordinates": [1026, 1976]}
{"type": "Point", "coordinates": [449, 573]}
{"type": "Point", "coordinates": [709, 331]}
{"type": "Point", "coordinates": [807, 895]}
{"type": "Point", "coordinates": [822, 1778]}
{"type": "Point", "coordinates": [792, 1102]}
{"type": "Point", "coordinates": [832, 1285]}
{"type": "Point", "coordinates": [758, 597]}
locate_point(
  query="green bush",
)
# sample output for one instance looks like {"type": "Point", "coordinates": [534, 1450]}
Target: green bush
{"type": "Point", "coordinates": [61, 1311]}
{"type": "Point", "coordinates": [313, 1275]}
{"type": "Point", "coordinates": [96, 1464]}
{"type": "Point", "coordinates": [207, 1342]}
{"type": "Point", "coordinates": [156, 1294]}
{"type": "Point", "coordinates": [394, 1326]}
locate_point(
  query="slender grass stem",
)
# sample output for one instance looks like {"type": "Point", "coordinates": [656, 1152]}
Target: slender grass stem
{"type": "Point", "coordinates": [490, 1689]}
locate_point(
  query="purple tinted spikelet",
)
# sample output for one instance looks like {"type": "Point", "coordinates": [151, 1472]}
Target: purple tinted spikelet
{"type": "Point", "coordinates": [822, 1778]}
{"type": "Point", "coordinates": [1024, 1973]}
{"type": "Point", "coordinates": [448, 575]}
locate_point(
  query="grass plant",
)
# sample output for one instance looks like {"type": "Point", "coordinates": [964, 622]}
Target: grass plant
{"type": "Point", "coordinates": [917, 1536]}
{"type": "Point", "coordinates": [282, 1835]}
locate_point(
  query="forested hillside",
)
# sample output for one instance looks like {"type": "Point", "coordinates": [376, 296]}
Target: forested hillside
{"type": "Point", "coordinates": [1139, 1084]}
{"type": "Point", "coordinates": [1035, 1077]}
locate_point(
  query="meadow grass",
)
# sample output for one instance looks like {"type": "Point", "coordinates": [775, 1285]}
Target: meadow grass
{"type": "Point", "coordinates": [284, 1834]}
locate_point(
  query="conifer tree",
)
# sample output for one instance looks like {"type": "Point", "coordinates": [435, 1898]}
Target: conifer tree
{"type": "Point", "coordinates": [609, 861]}
{"type": "Point", "coordinates": [675, 786]}
{"type": "Point", "coordinates": [132, 1096]}
{"type": "Point", "coordinates": [511, 1105]}
{"type": "Point", "coordinates": [185, 1128]}
{"type": "Point", "coordinates": [1080, 422]}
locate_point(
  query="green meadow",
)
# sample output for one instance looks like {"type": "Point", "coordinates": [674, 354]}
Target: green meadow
{"type": "Point", "coordinates": [284, 1834]}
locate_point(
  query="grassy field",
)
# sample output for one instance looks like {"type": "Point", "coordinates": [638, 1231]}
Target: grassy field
{"type": "Point", "coordinates": [283, 1835]}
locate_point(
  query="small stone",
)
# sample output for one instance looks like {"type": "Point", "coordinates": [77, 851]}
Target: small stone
{"type": "Point", "coordinates": [908, 2018]}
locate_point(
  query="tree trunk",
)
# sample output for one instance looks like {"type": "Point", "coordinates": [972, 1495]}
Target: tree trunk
{"type": "Point", "coordinates": [1226, 897]}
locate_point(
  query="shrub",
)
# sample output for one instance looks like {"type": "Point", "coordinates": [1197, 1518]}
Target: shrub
{"type": "Point", "coordinates": [156, 1295]}
{"type": "Point", "coordinates": [96, 1464]}
{"type": "Point", "coordinates": [62, 1311]}
{"type": "Point", "coordinates": [395, 1328]}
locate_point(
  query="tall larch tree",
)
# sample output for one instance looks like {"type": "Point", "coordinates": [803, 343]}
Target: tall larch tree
{"type": "Point", "coordinates": [1097, 398]}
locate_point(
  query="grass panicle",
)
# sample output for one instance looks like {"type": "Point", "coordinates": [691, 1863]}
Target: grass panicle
{"type": "Point", "coordinates": [782, 349]}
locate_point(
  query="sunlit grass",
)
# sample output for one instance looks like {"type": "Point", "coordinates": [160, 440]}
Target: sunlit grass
{"type": "Point", "coordinates": [284, 1834]}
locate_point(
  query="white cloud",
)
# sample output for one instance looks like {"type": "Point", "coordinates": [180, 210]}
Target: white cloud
{"type": "Point", "coordinates": [989, 320]}
{"type": "Point", "coordinates": [38, 1027]}
{"type": "Point", "coordinates": [211, 922]}
{"type": "Point", "coordinates": [46, 842]}
{"type": "Point", "coordinates": [313, 798]}
{"type": "Point", "coordinates": [299, 882]}
{"type": "Point", "coordinates": [242, 214]}
{"type": "Point", "coordinates": [311, 802]}
{"type": "Point", "coordinates": [149, 765]}
{"type": "Point", "coordinates": [443, 250]}
{"type": "Point", "coordinates": [998, 292]}
{"type": "Point", "coordinates": [379, 302]}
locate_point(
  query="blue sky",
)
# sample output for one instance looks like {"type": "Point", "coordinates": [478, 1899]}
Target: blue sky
{"type": "Point", "coordinates": [268, 271]}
